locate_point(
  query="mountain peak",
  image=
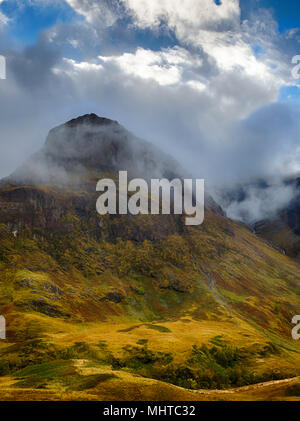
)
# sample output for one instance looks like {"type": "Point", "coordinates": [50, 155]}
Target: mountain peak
{"type": "Point", "coordinates": [91, 119]}
{"type": "Point", "coordinates": [90, 144]}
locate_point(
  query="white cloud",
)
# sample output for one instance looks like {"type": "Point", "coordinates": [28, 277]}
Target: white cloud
{"type": "Point", "coordinates": [261, 203]}
{"type": "Point", "coordinates": [165, 67]}
{"type": "Point", "coordinates": [176, 74]}
{"type": "Point", "coordinates": [95, 12]}
{"type": "Point", "coordinates": [212, 29]}
{"type": "Point", "coordinates": [185, 17]}
{"type": "Point", "coordinates": [3, 19]}
{"type": "Point", "coordinates": [233, 53]}
{"type": "Point", "coordinates": [77, 67]}
{"type": "Point", "coordinates": [195, 84]}
{"type": "Point", "coordinates": [215, 29]}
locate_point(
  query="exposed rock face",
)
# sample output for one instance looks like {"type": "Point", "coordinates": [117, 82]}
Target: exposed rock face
{"type": "Point", "coordinates": [43, 307]}
{"type": "Point", "coordinates": [114, 297]}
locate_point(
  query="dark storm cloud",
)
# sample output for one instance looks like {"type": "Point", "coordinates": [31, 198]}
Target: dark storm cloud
{"type": "Point", "coordinates": [33, 67]}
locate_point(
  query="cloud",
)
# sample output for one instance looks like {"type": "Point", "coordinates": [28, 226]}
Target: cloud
{"type": "Point", "coordinates": [166, 67]}
{"type": "Point", "coordinates": [205, 29]}
{"type": "Point", "coordinates": [171, 97]}
{"type": "Point", "coordinates": [210, 100]}
{"type": "Point", "coordinates": [33, 67]}
{"type": "Point", "coordinates": [204, 121]}
{"type": "Point", "coordinates": [103, 12]}
{"type": "Point", "coordinates": [3, 18]}
{"type": "Point", "coordinates": [186, 17]}
{"type": "Point", "coordinates": [259, 202]}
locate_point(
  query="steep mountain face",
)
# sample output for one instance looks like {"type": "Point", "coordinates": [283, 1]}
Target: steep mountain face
{"type": "Point", "coordinates": [77, 286]}
{"type": "Point", "coordinates": [62, 177]}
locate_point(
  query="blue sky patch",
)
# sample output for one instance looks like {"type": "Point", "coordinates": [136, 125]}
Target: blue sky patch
{"type": "Point", "coordinates": [27, 21]}
{"type": "Point", "coordinates": [290, 94]}
{"type": "Point", "coordinates": [286, 12]}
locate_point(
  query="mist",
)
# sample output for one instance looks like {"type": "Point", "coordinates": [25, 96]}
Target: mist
{"type": "Point", "coordinates": [222, 117]}
{"type": "Point", "coordinates": [261, 200]}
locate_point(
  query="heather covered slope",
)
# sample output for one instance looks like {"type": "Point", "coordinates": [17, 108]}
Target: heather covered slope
{"type": "Point", "coordinates": [197, 307]}
{"type": "Point", "coordinates": [205, 307]}
{"type": "Point", "coordinates": [148, 266]}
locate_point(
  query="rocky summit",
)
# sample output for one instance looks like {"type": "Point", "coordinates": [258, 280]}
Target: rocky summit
{"type": "Point", "coordinates": [88, 146]}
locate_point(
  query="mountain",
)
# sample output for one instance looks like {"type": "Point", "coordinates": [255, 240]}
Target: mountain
{"type": "Point", "coordinates": [84, 148]}
{"type": "Point", "coordinates": [271, 209]}
{"type": "Point", "coordinates": [101, 307]}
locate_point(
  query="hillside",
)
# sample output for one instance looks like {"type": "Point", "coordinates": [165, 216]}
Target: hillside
{"type": "Point", "coordinates": [95, 303]}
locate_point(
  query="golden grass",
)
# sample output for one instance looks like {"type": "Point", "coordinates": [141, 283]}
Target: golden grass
{"type": "Point", "coordinates": [129, 387]}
